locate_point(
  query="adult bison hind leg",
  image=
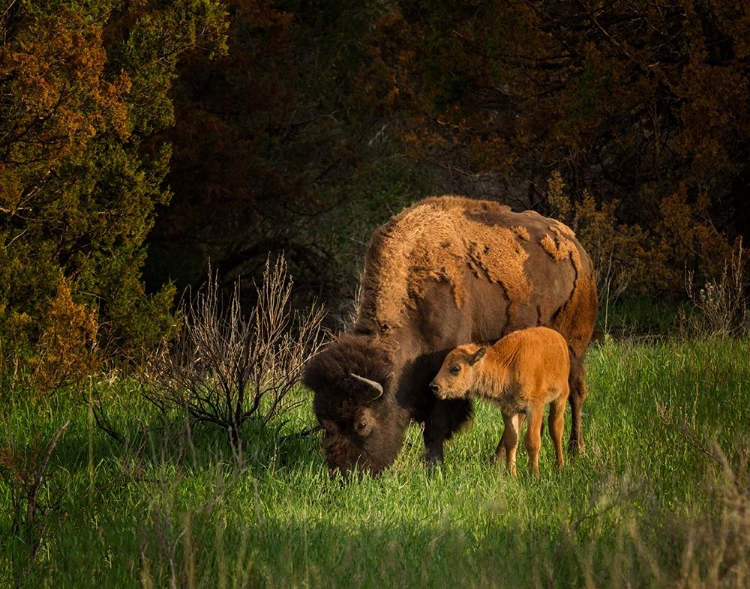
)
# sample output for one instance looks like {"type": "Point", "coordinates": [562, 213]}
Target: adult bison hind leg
{"type": "Point", "coordinates": [445, 418]}
{"type": "Point", "coordinates": [577, 395]}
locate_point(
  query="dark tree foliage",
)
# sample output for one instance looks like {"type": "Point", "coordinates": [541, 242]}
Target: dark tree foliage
{"type": "Point", "coordinates": [296, 140]}
{"type": "Point", "coordinates": [273, 153]}
{"type": "Point", "coordinates": [632, 94]}
{"type": "Point", "coordinates": [639, 103]}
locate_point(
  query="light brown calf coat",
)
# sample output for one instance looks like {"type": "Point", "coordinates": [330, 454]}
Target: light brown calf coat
{"type": "Point", "coordinates": [522, 372]}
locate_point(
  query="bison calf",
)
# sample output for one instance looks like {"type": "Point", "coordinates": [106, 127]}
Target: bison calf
{"type": "Point", "coordinates": [521, 373]}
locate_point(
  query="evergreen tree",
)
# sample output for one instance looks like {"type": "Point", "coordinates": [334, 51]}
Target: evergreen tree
{"type": "Point", "coordinates": [84, 95]}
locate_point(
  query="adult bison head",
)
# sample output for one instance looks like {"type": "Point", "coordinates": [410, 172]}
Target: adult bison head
{"type": "Point", "coordinates": [356, 405]}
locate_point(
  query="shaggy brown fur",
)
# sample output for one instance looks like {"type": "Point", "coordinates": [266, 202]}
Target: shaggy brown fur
{"type": "Point", "coordinates": [521, 373]}
{"type": "Point", "coordinates": [446, 271]}
{"type": "Point", "coordinates": [435, 241]}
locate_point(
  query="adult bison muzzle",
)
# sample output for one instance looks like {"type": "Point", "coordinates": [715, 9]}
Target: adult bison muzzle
{"type": "Point", "coordinates": [446, 271]}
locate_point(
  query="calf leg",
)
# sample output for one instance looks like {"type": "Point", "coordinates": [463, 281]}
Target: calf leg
{"type": "Point", "coordinates": [556, 426]}
{"type": "Point", "coordinates": [577, 395]}
{"type": "Point", "coordinates": [509, 441]}
{"type": "Point", "coordinates": [500, 451]}
{"type": "Point", "coordinates": [533, 438]}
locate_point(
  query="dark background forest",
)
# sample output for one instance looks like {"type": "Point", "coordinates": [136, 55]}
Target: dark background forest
{"type": "Point", "coordinates": [141, 141]}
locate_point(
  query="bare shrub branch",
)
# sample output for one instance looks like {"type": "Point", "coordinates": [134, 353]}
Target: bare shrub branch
{"type": "Point", "coordinates": [226, 368]}
{"type": "Point", "coordinates": [22, 471]}
{"type": "Point", "coordinates": [720, 305]}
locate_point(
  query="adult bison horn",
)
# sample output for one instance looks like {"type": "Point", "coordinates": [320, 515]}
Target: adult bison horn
{"type": "Point", "coordinates": [375, 386]}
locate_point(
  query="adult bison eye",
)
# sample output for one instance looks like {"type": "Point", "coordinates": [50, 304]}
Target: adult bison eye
{"type": "Point", "coordinates": [360, 426]}
{"type": "Point", "coordinates": [455, 369]}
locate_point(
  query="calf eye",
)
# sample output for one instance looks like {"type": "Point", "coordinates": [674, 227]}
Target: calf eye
{"type": "Point", "coordinates": [455, 369]}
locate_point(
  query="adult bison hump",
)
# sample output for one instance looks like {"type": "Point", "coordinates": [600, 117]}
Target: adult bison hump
{"type": "Point", "coordinates": [444, 272]}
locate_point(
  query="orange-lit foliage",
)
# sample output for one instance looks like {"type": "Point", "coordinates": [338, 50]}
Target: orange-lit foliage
{"type": "Point", "coordinates": [67, 350]}
{"type": "Point", "coordinates": [54, 68]}
{"type": "Point", "coordinates": [619, 252]}
{"type": "Point", "coordinates": [687, 241]}
{"type": "Point", "coordinates": [639, 261]}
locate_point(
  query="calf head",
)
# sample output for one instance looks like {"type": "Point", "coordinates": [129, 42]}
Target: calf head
{"type": "Point", "coordinates": [355, 403]}
{"type": "Point", "coordinates": [458, 374]}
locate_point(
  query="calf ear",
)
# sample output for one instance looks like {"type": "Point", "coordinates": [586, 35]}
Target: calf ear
{"type": "Point", "coordinates": [478, 355]}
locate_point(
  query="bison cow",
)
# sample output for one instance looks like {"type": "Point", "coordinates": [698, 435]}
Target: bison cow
{"type": "Point", "coordinates": [521, 373]}
{"type": "Point", "coordinates": [445, 271]}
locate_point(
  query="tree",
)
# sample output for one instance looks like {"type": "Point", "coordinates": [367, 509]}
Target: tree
{"type": "Point", "coordinates": [634, 102]}
{"type": "Point", "coordinates": [84, 90]}
{"type": "Point", "coordinates": [273, 154]}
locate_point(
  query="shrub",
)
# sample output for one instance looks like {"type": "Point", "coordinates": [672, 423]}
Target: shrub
{"type": "Point", "coordinates": [32, 501]}
{"type": "Point", "coordinates": [634, 262]}
{"type": "Point", "coordinates": [720, 305]}
{"type": "Point", "coordinates": [616, 249]}
{"type": "Point", "coordinates": [86, 98]}
{"type": "Point", "coordinates": [226, 368]}
{"type": "Point", "coordinates": [67, 350]}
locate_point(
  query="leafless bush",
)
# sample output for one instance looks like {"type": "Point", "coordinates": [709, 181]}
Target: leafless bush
{"type": "Point", "coordinates": [227, 368]}
{"type": "Point", "coordinates": [22, 472]}
{"type": "Point", "coordinates": [720, 305]}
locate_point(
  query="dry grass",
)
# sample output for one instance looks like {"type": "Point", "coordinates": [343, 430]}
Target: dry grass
{"type": "Point", "coordinates": [720, 305]}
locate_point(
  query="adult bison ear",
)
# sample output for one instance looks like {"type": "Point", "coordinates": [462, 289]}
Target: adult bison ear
{"type": "Point", "coordinates": [375, 389]}
{"type": "Point", "coordinates": [478, 355]}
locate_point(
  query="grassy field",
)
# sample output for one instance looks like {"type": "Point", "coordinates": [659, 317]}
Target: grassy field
{"type": "Point", "coordinates": [661, 497]}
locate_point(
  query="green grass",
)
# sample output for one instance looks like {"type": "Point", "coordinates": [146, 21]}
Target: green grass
{"type": "Point", "coordinates": [659, 499]}
{"type": "Point", "coordinates": [642, 317]}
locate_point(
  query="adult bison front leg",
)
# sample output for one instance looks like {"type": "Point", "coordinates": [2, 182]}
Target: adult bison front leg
{"type": "Point", "coordinates": [445, 418]}
{"type": "Point", "coordinates": [576, 398]}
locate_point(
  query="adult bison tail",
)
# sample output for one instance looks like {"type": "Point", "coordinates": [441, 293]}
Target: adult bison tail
{"type": "Point", "coordinates": [577, 321]}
